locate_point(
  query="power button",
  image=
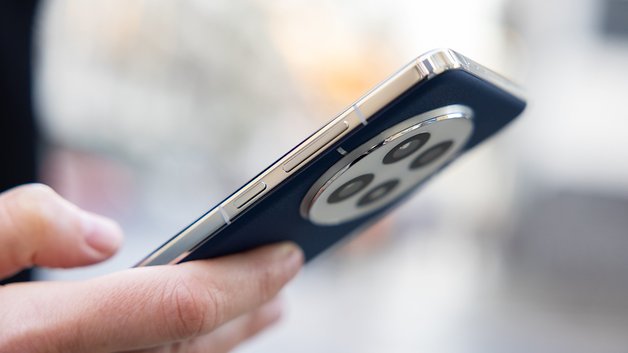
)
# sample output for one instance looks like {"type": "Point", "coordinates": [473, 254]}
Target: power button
{"type": "Point", "coordinates": [249, 194]}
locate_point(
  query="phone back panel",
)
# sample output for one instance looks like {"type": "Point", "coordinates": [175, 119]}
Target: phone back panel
{"type": "Point", "coordinates": [276, 216]}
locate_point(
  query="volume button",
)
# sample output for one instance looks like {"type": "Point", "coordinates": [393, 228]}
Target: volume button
{"type": "Point", "coordinates": [315, 145]}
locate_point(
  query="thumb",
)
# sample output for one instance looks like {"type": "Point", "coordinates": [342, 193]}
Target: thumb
{"type": "Point", "coordinates": [39, 227]}
{"type": "Point", "coordinates": [143, 307]}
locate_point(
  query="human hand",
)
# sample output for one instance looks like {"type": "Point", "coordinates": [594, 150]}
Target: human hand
{"type": "Point", "coordinates": [199, 306]}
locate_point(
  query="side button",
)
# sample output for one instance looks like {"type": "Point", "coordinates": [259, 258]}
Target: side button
{"type": "Point", "coordinates": [315, 145]}
{"type": "Point", "coordinates": [249, 194]}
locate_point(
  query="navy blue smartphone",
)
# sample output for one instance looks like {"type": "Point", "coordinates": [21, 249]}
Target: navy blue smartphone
{"type": "Point", "coordinates": [360, 165]}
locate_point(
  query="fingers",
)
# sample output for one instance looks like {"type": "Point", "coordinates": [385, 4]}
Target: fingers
{"type": "Point", "coordinates": [230, 335]}
{"type": "Point", "coordinates": [235, 332]}
{"type": "Point", "coordinates": [150, 306]}
{"type": "Point", "coordinates": [38, 227]}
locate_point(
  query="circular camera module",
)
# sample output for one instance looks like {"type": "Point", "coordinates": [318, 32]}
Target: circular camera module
{"type": "Point", "coordinates": [431, 154]}
{"type": "Point", "coordinates": [378, 192]}
{"type": "Point", "coordinates": [406, 148]}
{"type": "Point", "coordinates": [350, 188]}
{"type": "Point", "coordinates": [388, 166]}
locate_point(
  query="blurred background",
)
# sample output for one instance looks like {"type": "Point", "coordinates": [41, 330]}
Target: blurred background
{"type": "Point", "coordinates": [153, 111]}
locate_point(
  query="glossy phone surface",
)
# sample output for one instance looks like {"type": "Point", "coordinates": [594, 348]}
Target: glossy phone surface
{"type": "Point", "coordinates": [359, 166]}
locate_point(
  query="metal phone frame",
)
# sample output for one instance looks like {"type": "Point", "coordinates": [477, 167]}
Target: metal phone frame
{"type": "Point", "coordinates": [423, 68]}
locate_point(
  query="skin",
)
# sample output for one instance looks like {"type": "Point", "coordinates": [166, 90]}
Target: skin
{"type": "Point", "coordinates": [201, 306]}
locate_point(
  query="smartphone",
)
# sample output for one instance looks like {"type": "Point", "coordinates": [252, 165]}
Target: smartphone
{"type": "Point", "coordinates": [360, 165]}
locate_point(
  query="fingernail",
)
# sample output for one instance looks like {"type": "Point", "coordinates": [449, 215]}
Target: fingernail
{"type": "Point", "coordinates": [290, 253]}
{"type": "Point", "coordinates": [102, 234]}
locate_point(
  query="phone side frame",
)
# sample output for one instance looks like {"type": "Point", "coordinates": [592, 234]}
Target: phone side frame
{"type": "Point", "coordinates": [358, 114]}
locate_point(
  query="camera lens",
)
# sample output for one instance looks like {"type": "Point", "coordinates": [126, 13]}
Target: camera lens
{"type": "Point", "coordinates": [350, 188]}
{"type": "Point", "coordinates": [378, 192]}
{"type": "Point", "coordinates": [406, 148]}
{"type": "Point", "coordinates": [431, 154]}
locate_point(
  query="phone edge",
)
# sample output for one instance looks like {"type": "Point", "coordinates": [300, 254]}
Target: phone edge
{"type": "Point", "coordinates": [423, 68]}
